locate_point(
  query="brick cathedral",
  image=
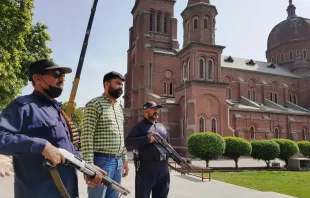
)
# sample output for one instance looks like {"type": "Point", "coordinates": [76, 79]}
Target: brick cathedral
{"type": "Point", "coordinates": [203, 90]}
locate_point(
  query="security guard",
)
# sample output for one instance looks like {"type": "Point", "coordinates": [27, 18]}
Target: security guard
{"type": "Point", "coordinates": [32, 128]}
{"type": "Point", "coordinates": [152, 173]}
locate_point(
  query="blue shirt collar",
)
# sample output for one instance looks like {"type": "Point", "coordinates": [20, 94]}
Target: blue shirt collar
{"type": "Point", "coordinates": [41, 96]}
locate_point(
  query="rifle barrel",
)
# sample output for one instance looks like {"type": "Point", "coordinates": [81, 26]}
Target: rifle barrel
{"type": "Point", "coordinates": [81, 60]}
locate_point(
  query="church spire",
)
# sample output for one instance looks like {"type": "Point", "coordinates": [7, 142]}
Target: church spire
{"type": "Point", "coordinates": [291, 9]}
{"type": "Point", "coordinates": [190, 2]}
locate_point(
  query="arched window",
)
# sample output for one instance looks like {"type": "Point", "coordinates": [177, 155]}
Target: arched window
{"type": "Point", "coordinates": [253, 95]}
{"type": "Point", "coordinates": [213, 125]}
{"type": "Point", "coordinates": [270, 94]}
{"type": "Point", "coordinates": [171, 89]}
{"type": "Point", "coordinates": [159, 14]}
{"type": "Point", "coordinates": [149, 73]}
{"type": "Point", "coordinates": [165, 88]}
{"type": "Point", "coordinates": [281, 58]}
{"type": "Point", "coordinates": [277, 59]}
{"type": "Point", "coordinates": [229, 93]}
{"type": "Point", "coordinates": [249, 94]}
{"type": "Point", "coordinates": [275, 97]}
{"type": "Point", "coordinates": [166, 24]}
{"type": "Point", "coordinates": [195, 23]}
{"type": "Point", "coordinates": [277, 133]}
{"type": "Point", "coordinates": [252, 131]}
{"type": "Point", "coordinates": [152, 20]}
{"type": "Point", "coordinates": [291, 55]}
{"type": "Point", "coordinates": [305, 55]}
{"type": "Point", "coordinates": [291, 98]}
{"type": "Point", "coordinates": [304, 135]}
{"type": "Point", "coordinates": [201, 68]}
{"type": "Point", "coordinates": [184, 71]}
{"type": "Point", "coordinates": [205, 23]}
{"type": "Point", "coordinates": [201, 124]}
{"type": "Point", "coordinates": [188, 26]}
{"type": "Point", "coordinates": [295, 99]}
{"type": "Point", "coordinates": [210, 69]}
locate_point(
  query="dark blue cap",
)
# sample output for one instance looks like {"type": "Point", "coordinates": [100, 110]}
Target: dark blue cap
{"type": "Point", "coordinates": [40, 66]}
{"type": "Point", "coordinates": [151, 104]}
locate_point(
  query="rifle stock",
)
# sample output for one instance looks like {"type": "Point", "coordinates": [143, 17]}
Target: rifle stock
{"type": "Point", "coordinates": [89, 170]}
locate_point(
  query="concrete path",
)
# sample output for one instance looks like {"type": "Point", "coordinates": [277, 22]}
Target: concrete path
{"type": "Point", "coordinates": [181, 186]}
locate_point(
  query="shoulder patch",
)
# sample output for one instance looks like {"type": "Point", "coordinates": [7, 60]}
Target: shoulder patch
{"type": "Point", "coordinates": [23, 100]}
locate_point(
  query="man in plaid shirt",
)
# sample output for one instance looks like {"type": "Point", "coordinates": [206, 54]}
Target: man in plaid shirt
{"type": "Point", "coordinates": [102, 138]}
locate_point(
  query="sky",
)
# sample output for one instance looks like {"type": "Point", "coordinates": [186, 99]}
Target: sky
{"type": "Point", "coordinates": [242, 26]}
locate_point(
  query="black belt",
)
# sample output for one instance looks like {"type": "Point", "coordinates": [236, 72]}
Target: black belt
{"type": "Point", "coordinates": [108, 155]}
{"type": "Point", "coordinates": [153, 159]}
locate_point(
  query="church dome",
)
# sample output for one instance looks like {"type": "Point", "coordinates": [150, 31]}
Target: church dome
{"type": "Point", "coordinates": [294, 28]}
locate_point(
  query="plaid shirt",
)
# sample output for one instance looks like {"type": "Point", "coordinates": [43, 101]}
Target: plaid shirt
{"type": "Point", "coordinates": [102, 129]}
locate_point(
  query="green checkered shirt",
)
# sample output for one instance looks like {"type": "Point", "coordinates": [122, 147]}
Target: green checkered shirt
{"type": "Point", "coordinates": [102, 129]}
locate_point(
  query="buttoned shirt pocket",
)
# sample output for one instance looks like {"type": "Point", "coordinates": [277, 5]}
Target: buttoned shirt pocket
{"type": "Point", "coordinates": [43, 129]}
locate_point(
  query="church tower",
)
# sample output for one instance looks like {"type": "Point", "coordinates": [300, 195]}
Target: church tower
{"type": "Point", "coordinates": [152, 67]}
{"type": "Point", "coordinates": [200, 65]}
{"type": "Point", "coordinates": [199, 22]}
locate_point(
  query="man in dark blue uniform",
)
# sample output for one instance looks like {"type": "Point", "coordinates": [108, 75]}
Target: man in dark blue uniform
{"type": "Point", "coordinates": [152, 172]}
{"type": "Point", "coordinates": [31, 130]}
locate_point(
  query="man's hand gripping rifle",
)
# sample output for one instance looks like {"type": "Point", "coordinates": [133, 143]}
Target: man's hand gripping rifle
{"type": "Point", "coordinates": [88, 170]}
{"type": "Point", "coordinates": [173, 154]}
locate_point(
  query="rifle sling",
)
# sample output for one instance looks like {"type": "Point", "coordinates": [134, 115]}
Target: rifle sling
{"type": "Point", "coordinates": [57, 180]}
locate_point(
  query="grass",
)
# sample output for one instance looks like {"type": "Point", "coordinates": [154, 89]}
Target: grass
{"type": "Point", "coordinates": [284, 182]}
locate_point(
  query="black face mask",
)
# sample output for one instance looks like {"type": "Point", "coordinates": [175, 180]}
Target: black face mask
{"type": "Point", "coordinates": [53, 92]}
{"type": "Point", "coordinates": [115, 93]}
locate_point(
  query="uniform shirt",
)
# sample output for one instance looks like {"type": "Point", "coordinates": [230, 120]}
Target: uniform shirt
{"type": "Point", "coordinates": [25, 126]}
{"type": "Point", "coordinates": [138, 139]}
{"type": "Point", "coordinates": [102, 129]}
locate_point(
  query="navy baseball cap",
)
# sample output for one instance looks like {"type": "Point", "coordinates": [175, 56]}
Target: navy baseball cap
{"type": "Point", "coordinates": [151, 104]}
{"type": "Point", "coordinates": [40, 66]}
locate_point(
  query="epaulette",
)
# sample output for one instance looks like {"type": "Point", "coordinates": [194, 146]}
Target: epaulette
{"type": "Point", "coordinates": [23, 100]}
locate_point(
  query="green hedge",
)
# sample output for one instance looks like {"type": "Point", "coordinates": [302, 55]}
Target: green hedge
{"type": "Point", "coordinates": [266, 150]}
{"type": "Point", "coordinates": [288, 148]}
{"type": "Point", "coordinates": [237, 147]}
{"type": "Point", "coordinates": [206, 146]}
{"type": "Point", "coordinates": [304, 148]}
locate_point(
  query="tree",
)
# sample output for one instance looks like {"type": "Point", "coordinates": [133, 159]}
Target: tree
{"type": "Point", "coordinates": [20, 43]}
{"type": "Point", "coordinates": [288, 148]}
{"type": "Point", "coordinates": [266, 150]}
{"type": "Point", "coordinates": [304, 148]}
{"type": "Point", "coordinates": [77, 115]}
{"type": "Point", "coordinates": [237, 147]}
{"type": "Point", "coordinates": [206, 146]}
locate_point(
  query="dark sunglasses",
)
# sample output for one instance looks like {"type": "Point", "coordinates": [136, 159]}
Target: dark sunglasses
{"type": "Point", "coordinates": [55, 73]}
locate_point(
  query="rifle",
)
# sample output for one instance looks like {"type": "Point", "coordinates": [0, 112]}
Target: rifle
{"type": "Point", "coordinates": [88, 170]}
{"type": "Point", "coordinates": [173, 154]}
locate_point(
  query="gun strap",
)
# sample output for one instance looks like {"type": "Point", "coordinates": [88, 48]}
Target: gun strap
{"type": "Point", "coordinates": [57, 180]}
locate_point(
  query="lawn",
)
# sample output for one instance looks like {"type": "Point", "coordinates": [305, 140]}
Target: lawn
{"type": "Point", "coordinates": [284, 182]}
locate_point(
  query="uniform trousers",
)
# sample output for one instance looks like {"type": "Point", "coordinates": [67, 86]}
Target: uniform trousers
{"type": "Point", "coordinates": [152, 177]}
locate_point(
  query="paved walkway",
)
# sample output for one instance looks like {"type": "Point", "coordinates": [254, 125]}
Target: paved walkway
{"type": "Point", "coordinates": [181, 186]}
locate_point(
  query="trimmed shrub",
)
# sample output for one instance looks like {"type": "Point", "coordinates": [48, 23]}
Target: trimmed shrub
{"type": "Point", "coordinates": [266, 150]}
{"type": "Point", "coordinates": [206, 146]}
{"type": "Point", "coordinates": [237, 147]}
{"type": "Point", "coordinates": [304, 148]}
{"type": "Point", "coordinates": [288, 148]}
